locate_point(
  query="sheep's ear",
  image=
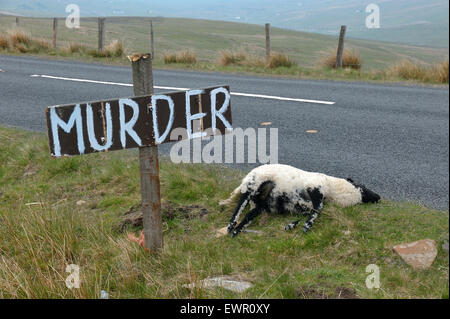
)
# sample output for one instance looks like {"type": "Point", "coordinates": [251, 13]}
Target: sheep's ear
{"type": "Point", "coordinates": [350, 180]}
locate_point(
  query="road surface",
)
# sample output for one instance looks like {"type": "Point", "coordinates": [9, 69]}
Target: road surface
{"type": "Point", "coordinates": [392, 138]}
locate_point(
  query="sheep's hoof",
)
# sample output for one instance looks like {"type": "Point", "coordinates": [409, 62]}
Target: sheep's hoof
{"type": "Point", "coordinates": [305, 229]}
{"type": "Point", "coordinates": [234, 234]}
{"type": "Point", "coordinates": [288, 227]}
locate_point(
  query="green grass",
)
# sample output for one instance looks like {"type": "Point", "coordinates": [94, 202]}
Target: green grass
{"type": "Point", "coordinates": [42, 230]}
{"type": "Point", "coordinates": [206, 39]}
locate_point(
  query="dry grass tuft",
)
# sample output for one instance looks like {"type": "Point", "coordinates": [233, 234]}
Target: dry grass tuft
{"type": "Point", "coordinates": [278, 59]}
{"type": "Point", "coordinates": [350, 59]}
{"type": "Point", "coordinates": [441, 72]}
{"type": "Point", "coordinates": [115, 49]}
{"type": "Point", "coordinates": [17, 36]}
{"type": "Point", "coordinates": [186, 57]}
{"type": "Point", "coordinates": [73, 47]}
{"type": "Point", "coordinates": [438, 73]}
{"type": "Point", "coordinates": [4, 43]}
{"type": "Point", "coordinates": [41, 44]}
{"type": "Point", "coordinates": [228, 57]}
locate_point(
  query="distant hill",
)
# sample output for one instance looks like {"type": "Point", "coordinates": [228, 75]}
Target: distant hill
{"type": "Point", "coordinates": [419, 22]}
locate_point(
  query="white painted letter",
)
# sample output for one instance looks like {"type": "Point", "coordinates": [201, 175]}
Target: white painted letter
{"type": "Point", "coordinates": [190, 117]}
{"type": "Point", "coordinates": [128, 126]}
{"type": "Point", "coordinates": [219, 113]}
{"type": "Point", "coordinates": [75, 117]}
{"type": "Point", "coordinates": [91, 131]}
{"type": "Point", "coordinates": [159, 139]}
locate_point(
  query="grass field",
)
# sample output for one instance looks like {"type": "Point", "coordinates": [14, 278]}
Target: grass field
{"type": "Point", "coordinates": [42, 229]}
{"type": "Point", "coordinates": [206, 38]}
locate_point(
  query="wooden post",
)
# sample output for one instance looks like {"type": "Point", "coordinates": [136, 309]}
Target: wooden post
{"type": "Point", "coordinates": [340, 49]}
{"type": "Point", "coordinates": [55, 26]}
{"type": "Point", "coordinates": [148, 159]}
{"type": "Point", "coordinates": [17, 21]}
{"type": "Point", "coordinates": [152, 40]}
{"type": "Point", "coordinates": [101, 34]}
{"type": "Point", "coordinates": [267, 42]}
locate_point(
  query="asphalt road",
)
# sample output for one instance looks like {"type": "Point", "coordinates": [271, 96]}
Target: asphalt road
{"type": "Point", "coordinates": [392, 138]}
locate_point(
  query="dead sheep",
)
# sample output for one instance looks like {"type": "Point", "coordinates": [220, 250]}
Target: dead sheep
{"type": "Point", "coordinates": [278, 188]}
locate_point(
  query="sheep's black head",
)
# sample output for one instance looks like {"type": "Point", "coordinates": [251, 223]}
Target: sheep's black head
{"type": "Point", "coordinates": [367, 195]}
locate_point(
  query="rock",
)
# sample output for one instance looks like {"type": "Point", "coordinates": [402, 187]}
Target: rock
{"type": "Point", "coordinates": [81, 202]}
{"type": "Point", "coordinates": [104, 295]}
{"type": "Point", "coordinates": [445, 246]}
{"type": "Point", "coordinates": [226, 282]}
{"type": "Point", "coordinates": [419, 254]}
{"type": "Point", "coordinates": [221, 232]}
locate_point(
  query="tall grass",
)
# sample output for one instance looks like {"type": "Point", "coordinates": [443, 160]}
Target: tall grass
{"type": "Point", "coordinates": [115, 49]}
{"type": "Point", "coordinates": [184, 57]}
{"type": "Point", "coordinates": [350, 59]}
{"type": "Point", "coordinates": [229, 57]}
{"type": "Point", "coordinates": [278, 59]}
{"type": "Point", "coordinates": [73, 47]}
{"type": "Point", "coordinates": [4, 43]}
{"type": "Point", "coordinates": [438, 73]}
{"type": "Point", "coordinates": [241, 58]}
{"type": "Point", "coordinates": [17, 40]}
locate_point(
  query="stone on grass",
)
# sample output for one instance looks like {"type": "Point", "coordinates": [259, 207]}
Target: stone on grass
{"type": "Point", "coordinates": [81, 202]}
{"type": "Point", "coordinates": [419, 254]}
{"type": "Point", "coordinates": [221, 232]}
{"type": "Point", "coordinates": [226, 282]}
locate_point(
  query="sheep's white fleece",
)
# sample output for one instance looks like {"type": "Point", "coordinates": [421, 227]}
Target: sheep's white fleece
{"type": "Point", "coordinates": [288, 180]}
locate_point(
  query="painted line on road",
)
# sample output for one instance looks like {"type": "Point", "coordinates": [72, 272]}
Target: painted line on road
{"type": "Point", "coordinates": [261, 96]}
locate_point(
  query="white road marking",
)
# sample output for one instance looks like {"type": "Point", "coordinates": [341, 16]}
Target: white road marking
{"type": "Point", "coordinates": [261, 96]}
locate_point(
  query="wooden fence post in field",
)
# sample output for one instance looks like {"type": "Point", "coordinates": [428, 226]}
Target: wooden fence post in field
{"type": "Point", "coordinates": [152, 40]}
{"type": "Point", "coordinates": [148, 159]}
{"type": "Point", "coordinates": [267, 42]}
{"type": "Point", "coordinates": [17, 21]}
{"type": "Point", "coordinates": [55, 26]}
{"type": "Point", "coordinates": [340, 49]}
{"type": "Point", "coordinates": [101, 34]}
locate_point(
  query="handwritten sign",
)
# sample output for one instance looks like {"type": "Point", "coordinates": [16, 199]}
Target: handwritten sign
{"type": "Point", "coordinates": [136, 121]}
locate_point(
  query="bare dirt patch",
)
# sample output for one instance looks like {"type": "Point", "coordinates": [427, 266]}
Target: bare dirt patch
{"type": "Point", "coordinates": [169, 211]}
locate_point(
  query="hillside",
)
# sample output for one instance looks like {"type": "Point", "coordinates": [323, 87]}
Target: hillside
{"type": "Point", "coordinates": [418, 22]}
{"type": "Point", "coordinates": [206, 38]}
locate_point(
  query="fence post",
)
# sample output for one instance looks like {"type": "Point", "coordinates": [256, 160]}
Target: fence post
{"type": "Point", "coordinates": [148, 160]}
{"type": "Point", "coordinates": [101, 34]}
{"type": "Point", "coordinates": [340, 49]}
{"type": "Point", "coordinates": [267, 42]}
{"type": "Point", "coordinates": [152, 40]}
{"type": "Point", "coordinates": [55, 26]}
{"type": "Point", "coordinates": [17, 21]}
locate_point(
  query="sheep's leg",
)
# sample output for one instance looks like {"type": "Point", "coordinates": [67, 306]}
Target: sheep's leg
{"type": "Point", "coordinates": [317, 201]}
{"type": "Point", "coordinates": [243, 201]}
{"type": "Point", "coordinates": [292, 225]}
{"type": "Point", "coordinates": [247, 219]}
{"type": "Point", "coordinates": [260, 199]}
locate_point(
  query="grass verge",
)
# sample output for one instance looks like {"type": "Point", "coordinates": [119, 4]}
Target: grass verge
{"type": "Point", "coordinates": [19, 42]}
{"type": "Point", "coordinates": [42, 229]}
